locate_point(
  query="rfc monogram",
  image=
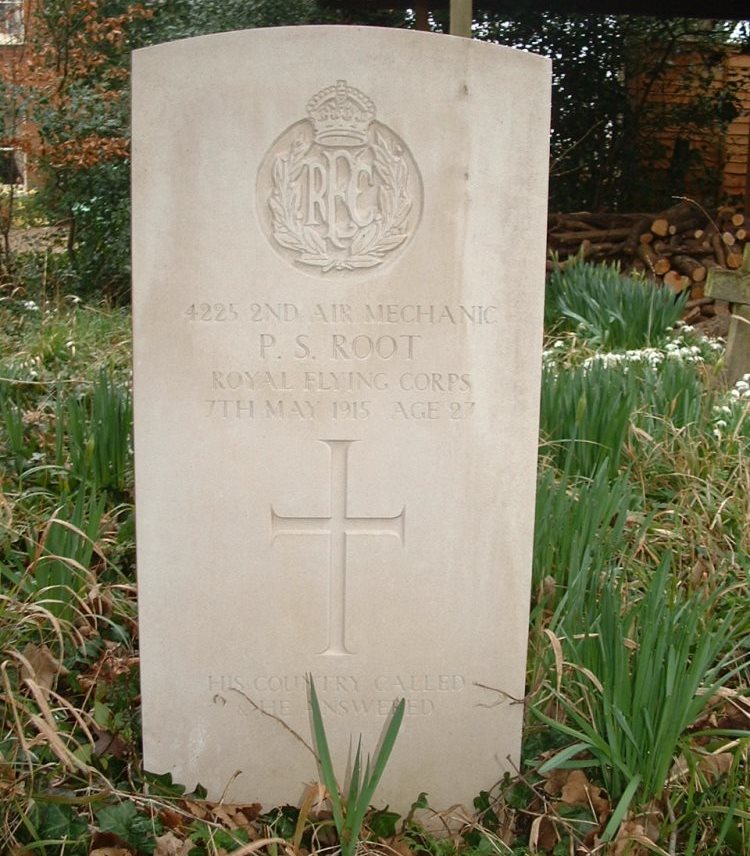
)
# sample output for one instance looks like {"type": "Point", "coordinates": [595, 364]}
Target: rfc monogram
{"type": "Point", "coordinates": [339, 191]}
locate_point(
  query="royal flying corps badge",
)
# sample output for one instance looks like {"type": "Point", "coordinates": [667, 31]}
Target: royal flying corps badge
{"type": "Point", "coordinates": [339, 192]}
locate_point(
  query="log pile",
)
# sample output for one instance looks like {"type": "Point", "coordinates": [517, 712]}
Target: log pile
{"type": "Point", "coordinates": [676, 247]}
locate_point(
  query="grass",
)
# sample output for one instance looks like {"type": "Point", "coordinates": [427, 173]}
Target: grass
{"type": "Point", "coordinates": [638, 713]}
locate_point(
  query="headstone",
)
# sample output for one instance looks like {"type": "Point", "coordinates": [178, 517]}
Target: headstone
{"type": "Point", "coordinates": [734, 286]}
{"type": "Point", "coordinates": [339, 241]}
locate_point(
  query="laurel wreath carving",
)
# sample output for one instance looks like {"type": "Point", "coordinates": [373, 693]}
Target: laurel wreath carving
{"type": "Point", "coordinates": [370, 243]}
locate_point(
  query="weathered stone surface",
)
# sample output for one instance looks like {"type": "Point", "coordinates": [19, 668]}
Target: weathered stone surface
{"type": "Point", "coordinates": [337, 354]}
{"type": "Point", "coordinates": [734, 286]}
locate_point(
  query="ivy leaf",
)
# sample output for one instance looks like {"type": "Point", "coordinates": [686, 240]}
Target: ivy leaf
{"type": "Point", "coordinates": [59, 823]}
{"type": "Point", "coordinates": [124, 821]}
{"type": "Point", "coordinates": [383, 823]}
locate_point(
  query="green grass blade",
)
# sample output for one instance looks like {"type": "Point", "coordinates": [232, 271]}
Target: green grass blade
{"type": "Point", "coordinates": [324, 756]}
{"type": "Point", "coordinates": [621, 810]}
{"type": "Point", "coordinates": [559, 760]}
{"type": "Point", "coordinates": [371, 780]}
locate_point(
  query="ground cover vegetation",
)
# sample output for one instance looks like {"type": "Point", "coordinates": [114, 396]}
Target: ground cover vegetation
{"type": "Point", "coordinates": [637, 708]}
{"type": "Point", "coordinates": [636, 736]}
{"type": "Point", "coordinates": [66, 105]}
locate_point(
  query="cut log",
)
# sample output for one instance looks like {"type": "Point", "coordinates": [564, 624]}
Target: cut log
{"type": "Point", "coordinates": [681, 216]}
{"type": "Point", "coordinates": [594, 235]}
{"type": "Point", "coordinates": [690, 267]}
{"type": "Point", "coordinates": [638, 228]}
{"type": "Point", "coordinates": [718, 247]}
{"type": "Point", "coordinates": [734, 259]}
{"type": "Point", "coordinates": [698, 301]}
{"type": "Point", "coordinates": [676, 281]}
{"type": "Point", "coordinates": [657, 264]}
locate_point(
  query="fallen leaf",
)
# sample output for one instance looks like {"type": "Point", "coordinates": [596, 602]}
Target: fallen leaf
{"type": "Point", "coordinates": [714, 767]}
{"type": "Point", "coordinates": [251, 811]}
{"type": "Point", "coordinates": [400, 847]}
{"type": "Point", "coordinates": [543, 835]}
{"type": "Point", "coordinates": [109, 744]}
{"type": "Point", "coordinates": [170, 845]}
{"type": "Point", "coordinates": [171, 819]}
{"type": "Point", "coordinates": [44, 666]}
{"type": "Point", "coordinates": [555, 781]}
{"type": "Point", "coordinates": [578, 790]}
{"type": "Point", "coordinates": [629, 832]}
{"type": "Point", "coordinates": [225, 814]}
{"type": "Point", "coordinates": [199, 810]}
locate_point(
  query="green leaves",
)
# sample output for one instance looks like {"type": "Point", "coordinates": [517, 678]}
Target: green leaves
{"type": "Point", "coordinates": [645, 670]}
{"type": "Point", "coordinates": [349, 815]}
{"type": "Point", "coordinates": [124, 821]}
{"type": "Point", "coordinates": [609, 310]}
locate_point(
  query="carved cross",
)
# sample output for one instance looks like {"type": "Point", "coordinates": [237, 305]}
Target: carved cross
{"type": "Point", "coordinates": [338, 526]}
{"type": "Point", "coordinates": [734, 286]}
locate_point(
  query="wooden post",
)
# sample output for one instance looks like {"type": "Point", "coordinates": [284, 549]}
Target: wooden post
{"type": "Point", "coordinates": [734, 286]}
{"type": "Point", "coordinates": [422, 15]}
{"type": "Point", "coordinates": [460, 12]}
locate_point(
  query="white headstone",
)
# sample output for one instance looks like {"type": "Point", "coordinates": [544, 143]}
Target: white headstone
{"type": "Point", "coordinates": [339, 241]}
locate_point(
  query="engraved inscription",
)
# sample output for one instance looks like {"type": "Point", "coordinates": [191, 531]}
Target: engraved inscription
{"type": "Point", "coordinates": [339, 191]}
{"type": "Point", "coordinates": [350, 354]}
{"type": "Point", "coordinates": [341, 695]}
{"type": "Point", "coordinates": [338, 526]}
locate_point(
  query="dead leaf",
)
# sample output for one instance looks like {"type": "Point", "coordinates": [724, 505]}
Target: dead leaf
{"type": "Point", "coordinates": [251, 811]}
{"type": "Point", "coordinates": [626, 842]}
{"type": "Point", "coordinates": [199, 810]}
{"type": "Point", "coordinates": [555, 781]}
{"type": "Point", "coordinates": [543, 835]}
{"type": "Point", "coordinates": [44, 666]}
{"type": "Point", "coordinates": [578, 790]}
{"type": "Point", "coordinates": [225, 814]}
{"type": "Point", "coordinates": [170, 845]}
{"type": "Point", "coordinates": [400, 847]}
{"type": "Point", "coordinates": [714, 767]}
{"type": "Point", "coordinates": [171, 819]}
{"type": "Point", "coordinates": [651, 820]}
{"type": "Point", "coordinates": [109, 744]}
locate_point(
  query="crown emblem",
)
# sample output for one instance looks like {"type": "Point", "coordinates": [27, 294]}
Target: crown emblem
{"type": "Point", "coordinates": [341, 115]}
